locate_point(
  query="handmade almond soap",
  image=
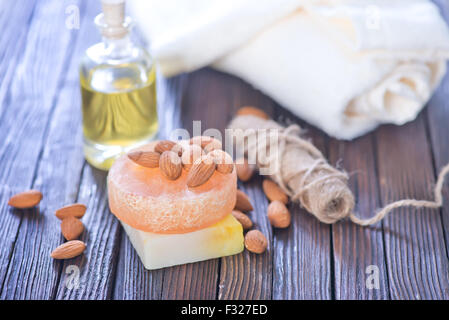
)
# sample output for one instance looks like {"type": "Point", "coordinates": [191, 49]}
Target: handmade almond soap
{"type": "Point", "coordinates": [167, 221]}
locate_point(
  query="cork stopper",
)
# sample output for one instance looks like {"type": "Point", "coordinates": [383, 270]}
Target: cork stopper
{"type": "Point", "coordinates": [112, 22]}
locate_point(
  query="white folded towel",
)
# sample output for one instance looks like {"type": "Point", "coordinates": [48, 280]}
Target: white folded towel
{"type": "Point", "coordinates": [345, 66]}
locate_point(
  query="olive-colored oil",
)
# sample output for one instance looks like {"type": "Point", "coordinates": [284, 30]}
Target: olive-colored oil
{"type": "Point", "coordinates": [118, 88]}
{"type": "Point", "coordinates": [118, 115]}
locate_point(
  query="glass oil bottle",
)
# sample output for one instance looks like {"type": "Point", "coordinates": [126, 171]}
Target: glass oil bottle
{"type": "Point", "coordinates": [118, 88]}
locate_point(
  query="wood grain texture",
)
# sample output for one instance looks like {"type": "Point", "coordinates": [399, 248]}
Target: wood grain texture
{"type": "Point", "coordinates": [13, 40]}
{"type": "Point", "coordinates": [248, 276]}
{"type": "Point", "coordinates": [437, 115]}
{"type": "Point", "coordinates": [12, 48]}
{"type": "Point", "coordinates": [414, 239]}
{"type": "Point", "coordinates": [132, 281]}
{"type": "Point", "coordinates": [30, 104]}
{"type": "Point", "coordinates": [356, 248]}
{"type": "Point", "coordinates": [98, 264]}
{"type": "Point", "coordinates": [437, 120]}
{"type": "Point", "coordinates": [10, 52]}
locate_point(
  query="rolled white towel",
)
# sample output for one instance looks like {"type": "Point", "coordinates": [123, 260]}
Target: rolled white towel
{"type": "Point", "coordinates": [345, 66]}
{"type": "Point", "coordinates": [186, 35]}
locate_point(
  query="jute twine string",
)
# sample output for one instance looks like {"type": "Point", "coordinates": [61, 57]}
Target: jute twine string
{"type": "Point", "coordinates": [303, 173]}
{"type": "Point", "coordinates": [437, 203]}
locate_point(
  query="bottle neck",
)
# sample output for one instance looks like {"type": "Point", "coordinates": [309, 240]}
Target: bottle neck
{"type": "Point", "coordinates": [116, 39]}
{"type": "Point", "coordinates": [117, 48]}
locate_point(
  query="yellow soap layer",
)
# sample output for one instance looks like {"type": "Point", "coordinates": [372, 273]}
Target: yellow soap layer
{"type": "Point", "coordinates": [164, 250]}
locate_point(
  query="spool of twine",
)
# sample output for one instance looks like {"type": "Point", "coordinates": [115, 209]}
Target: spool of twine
{"type": "Point", "coordinates": [305, 175]}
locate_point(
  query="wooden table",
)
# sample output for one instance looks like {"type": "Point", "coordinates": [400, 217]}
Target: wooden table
{"type": "Point", "coordinates": [41, 148]}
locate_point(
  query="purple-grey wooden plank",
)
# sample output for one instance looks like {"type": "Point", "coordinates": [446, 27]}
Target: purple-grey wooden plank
{"type": "Point", "coordinates": [359, 251]}
{"type": "Point", "coordinates": [12, 44]}
{"type": "Point", "coordinates": [414, 239]}
{"type": "Point", "coordinates": [249, 276]}
{"type": "Point", "coordinates": [97, 266]}
{"type": "Point", "coordinates": [15, 17]}
{"type": "Point", "coordinates": [438, 118]}
{"type": "Point", "coordinates": [23, 128]}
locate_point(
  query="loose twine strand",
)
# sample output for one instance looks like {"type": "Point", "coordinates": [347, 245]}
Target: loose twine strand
{"type": "Point", "coordinates": [304, 174]}
{"type": "Point", "coordinates": [437, 203]}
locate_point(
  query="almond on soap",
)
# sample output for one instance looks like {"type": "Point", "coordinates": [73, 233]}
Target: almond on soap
{"type": "Point", "coordinates": [213, 145]}
{"type": "Point", "coordinates": [201, 141]}
{"type": "Point", "coordinates": [190, 154]}
{"type": "Point", "coordinates": [170, 165]}
{"type": "Point", "coordinates": [223, 160]}
{"type": "Point", "coordinates": [203, 168]}
{"type": "Point", "coordinates": [147, 159]}
{"type": "Point", "coordinates": [167, 145]}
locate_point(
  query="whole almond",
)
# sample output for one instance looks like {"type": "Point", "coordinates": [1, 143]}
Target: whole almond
{"type": "Point", "coordinates": [76, 210]}
{"type": "Point", "coordinates": [213, 145]}
{"type": "Point", "coordinates": [71, 228]}
{"type": "Point", "coordinates": [201, 141]}
{"type": "Point", "coordinates": [242, 202]}
{"type": "Point", "coordinates": [147, 159]}
{"type": "Point", "coordinates": [170, 165]}
{"type": "Point", "coordinates": [190, 154]}
{"type": "Point", "coordinates": [223, 160]}
{"type": "Point", "coordinates": [278, 214]}
{"type": "Point", "coordinates": [274, 192]}
{"type": "Point", "coordinates": [203, 168]}
{"type": "Point", "coordinates": [27, 199]}
{"type": "Point", "coordinates": [244, 170]}
{"type": "Point", "coordinates": [244, 220]}
{"type": "Point", "coordinates": [69, 250]}
{"type": "Point", "coordinates": [256, 242]}
{"type": "Point", "coordinates": [253, 111]}
{"type": "Point", "coordinates": [166, 145]}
